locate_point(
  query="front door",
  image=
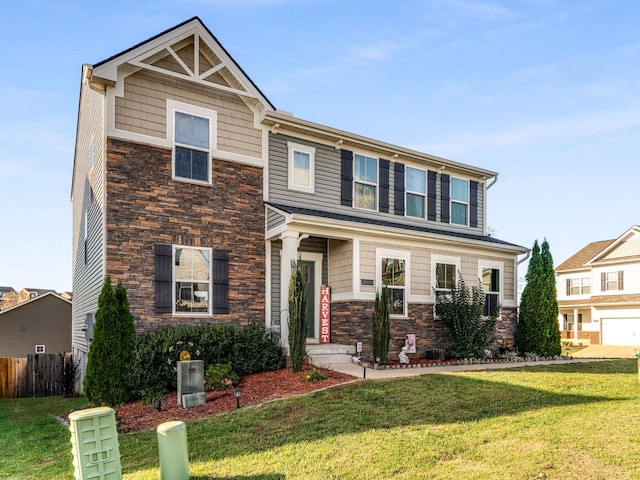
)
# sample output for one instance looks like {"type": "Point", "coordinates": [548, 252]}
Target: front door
{"type": "Point", "coordinates": [308, 269]}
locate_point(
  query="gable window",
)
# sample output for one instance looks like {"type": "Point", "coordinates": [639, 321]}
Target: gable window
{"type": "Point", "coordinates": [416, 192]}
{"type": "Point", "coordinates": [459, 201]}
{"type": "Point", "coordinates": [491, 288]}
{"type": "Point", "coordinates": [365, 182]}
{"type": "Point", "coordinates": [301, 167]}
{"type": "Point", "coordinates": [192, 280]}
{"type": "Point", "coordinates": [192, 131]}
{"type": "Point", "coordinates": [611, 281]}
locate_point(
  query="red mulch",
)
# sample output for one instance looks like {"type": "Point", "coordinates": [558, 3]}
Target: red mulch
{"type": "Point", "coordinates": [257, 388]}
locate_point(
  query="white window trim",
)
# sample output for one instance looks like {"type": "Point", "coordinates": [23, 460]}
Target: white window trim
{"type": "Point", "coordinates": [452, 201]}
{"type": "Point", "coordinates": [448, 259]}
{"type": "Point", "coordinates": [174, 280]}
{"type": "Point", "coordinates": [363, 182]}
{"type": "Point", "coordinates": [400, 255]}
{"type": "Point", "coordinates": [496, 266]}
{"type": "Point", "coordinates": [311, 151]}
{"type": "Point", "coordinates": [211, 115]}
{"type": "Point", "coordinates": [411, 192]}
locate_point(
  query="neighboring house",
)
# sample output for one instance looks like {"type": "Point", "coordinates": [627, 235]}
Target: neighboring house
{"type": "Point", "coordinates": [599, 292]}
{"type": "Point", "coordinates": [6, 294]}
{"type": "Point", "coordinates": [39, 325]}
{"type": "Point", "coordinates": [10, 297]}
{"type": "Point", "coordinates": [196, 193]}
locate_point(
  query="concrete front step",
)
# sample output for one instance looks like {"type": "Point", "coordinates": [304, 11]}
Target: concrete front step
{"type": "Point", "coordinates": [323, 355]}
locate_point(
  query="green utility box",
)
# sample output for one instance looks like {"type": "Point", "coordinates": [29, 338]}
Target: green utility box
{"type": "Point", "coordinates": [173, 451]}
{"type": "Point", "coordinates": [94, 444]}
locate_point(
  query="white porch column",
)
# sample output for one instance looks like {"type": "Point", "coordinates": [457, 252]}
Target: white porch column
{"type": "Point", "coordinates": [288, 254]}
{"type": "Point", "coordinates": [575, 324]}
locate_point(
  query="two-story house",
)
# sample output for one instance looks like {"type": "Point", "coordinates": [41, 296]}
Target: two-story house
{"type": "Point", "coordinates": [191, 188]}
{"type": "Point", "coordinates": [599, 292]}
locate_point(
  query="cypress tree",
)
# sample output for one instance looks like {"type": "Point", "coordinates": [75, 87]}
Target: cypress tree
{"type": "Point", "coordinates": [552, 345]}
{"type": "Point", "coordinates": [381, 327]}
{"type": "Point", "coordinates": [107, 372]}
{"type": "Point", "coordinates": [537, 329]}
{"type": "Point", "coordinates": [297, 317]}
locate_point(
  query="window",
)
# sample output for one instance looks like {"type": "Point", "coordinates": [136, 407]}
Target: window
{"type": "Point", "coordinates": [459, 201]}
{"type": "Point", "coordinates": [191, 278]}
{"type": "Point", "coordinates": [365, 182]}
{"type": "Point", "coordinates": [445, 278]}
{"type": "Point", "coordinates": [393, 276]}
{"type": "Point", "coordinates": [491, 288]}
{"type": "Point", "coordinates": [579, 286]}
{"type": "Point", "coordinates": [612, 281]}
{"type": "Point", "coordinates": [416, 191]}
{"type": "Point", "coordinates": [192, 130]}
{"type": "Point", "coordinates": [569, 322]}
{"type": "Point", "coordinates": [301, 167]}
{"type": "Point", "coordinates": [40, 349]}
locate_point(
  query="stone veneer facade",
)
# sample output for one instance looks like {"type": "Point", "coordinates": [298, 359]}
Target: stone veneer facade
{"type": "Point", "coordinates": [147, 207]}
{"type": "Point", "coordinates": [351, 322]}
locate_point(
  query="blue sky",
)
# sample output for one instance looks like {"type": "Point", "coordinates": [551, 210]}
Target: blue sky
{"type": "Point", "coordinates": [545, 92]}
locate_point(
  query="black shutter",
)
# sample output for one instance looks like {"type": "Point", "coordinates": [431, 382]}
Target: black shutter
{"type": "Point", "coordinates": [346, 196]}
{"type": "Point", "coordinates": [473, 204]}
{"type": "Point", "coordinates": [398, 197]}
{"type": "Point", "coordinates": [383, 199]}
{"type": "Point", "coordinates": [163, 281]}
{"type": "Point", "coordinates": [444, 198]}
{"type": "Point", "coordinates": [431, 195]}
{"type": "Point", "coordinates": [220, 278]}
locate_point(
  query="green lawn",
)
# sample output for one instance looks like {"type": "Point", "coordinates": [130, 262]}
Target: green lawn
{"type": "Point", "coordinates": [568, 421]}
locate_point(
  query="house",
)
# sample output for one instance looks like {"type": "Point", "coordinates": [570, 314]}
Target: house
{"type": "Point", "coordinates": [39, 325]}
{"type": "Point", "coordinates": [6, 294]}
{"type": "Point", "coordinates": [10, 297]}
{"type": "Point", "coordinates": [599, 292]}
{"type": "Point", "coordinates": [192, 189]}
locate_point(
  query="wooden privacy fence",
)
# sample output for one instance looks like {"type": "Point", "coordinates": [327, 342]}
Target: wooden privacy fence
{"type": "Point", "coordinates": [38, 375]}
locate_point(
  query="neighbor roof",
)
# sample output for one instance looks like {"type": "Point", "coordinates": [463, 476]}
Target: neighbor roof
{"type": "Point", "coordinates": [579, 260]}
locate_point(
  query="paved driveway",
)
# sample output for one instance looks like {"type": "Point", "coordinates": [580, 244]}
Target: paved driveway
{"type": "Point", "coordinates": [606, 351]}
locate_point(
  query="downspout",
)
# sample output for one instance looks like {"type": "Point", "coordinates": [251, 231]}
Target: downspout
{"type": "Point", "coordinates": [489, 185]}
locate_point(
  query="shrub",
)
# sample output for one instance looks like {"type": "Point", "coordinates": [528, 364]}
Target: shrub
{"type": "Point", "coordinates": [297, 317]}
{"type": "Point", "coordinates": [218, 377]}
{"type": "Point", "coordinates": [315, 375]}
{"type": "Point", "coordinates": [381, 334]}
{"type": "Point", "coordinates": [249, 350]}
{"type": "Point", "coordinates": [461, 311]}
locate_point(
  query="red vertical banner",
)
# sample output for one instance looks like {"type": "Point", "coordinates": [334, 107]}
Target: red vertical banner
{"type": "Point", "coordinates": [325, 314]}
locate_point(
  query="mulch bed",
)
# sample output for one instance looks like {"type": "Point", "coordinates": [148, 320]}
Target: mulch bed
{"type": "Point", "coordinates": [258, 388]}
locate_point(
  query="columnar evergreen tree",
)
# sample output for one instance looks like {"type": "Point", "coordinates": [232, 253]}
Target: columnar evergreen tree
{"type": "Point", "coordinates": [537, 330]}
{"type": "Point", "coordinates": [297, 317]}
{"type": "Point", "coordinates": [552, 345]}
{"type": "Point", "coordinates": [106, 378]}
{"type": "Point", "coordinates": [380, 326]}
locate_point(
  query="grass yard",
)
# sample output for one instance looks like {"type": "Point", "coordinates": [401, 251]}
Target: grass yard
{"type": "Point", "coordinates": [567, 421]}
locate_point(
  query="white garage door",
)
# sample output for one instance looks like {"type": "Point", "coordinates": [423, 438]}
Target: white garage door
{"type": "Point", "coordinates": [621, 331]}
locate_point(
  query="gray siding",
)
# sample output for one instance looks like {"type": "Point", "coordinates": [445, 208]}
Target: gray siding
{"type": "Point", "coordinates": [326, 194]}
{"type": "Point", "coordinates": [88, 196]}
{"type": "Point", "coordinates": [274, 219]}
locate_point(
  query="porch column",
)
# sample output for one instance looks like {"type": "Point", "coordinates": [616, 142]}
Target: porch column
{"type": "Point", "coordinates": [288, 254]}
{"type": "Point", "coordinates": [575, 324]}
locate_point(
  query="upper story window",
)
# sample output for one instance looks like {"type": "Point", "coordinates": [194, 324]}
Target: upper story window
{"type": "Point", "coordinates": [579, 286]}
{"type": "Point", "coordinates": [612, 281]}
{"type": "Point", "coordinates": [416, 192]}
{"type": "Point", "coordinates": [192, 280]}
{"type": "Point", "coordinates": [459, 201]}
{"type": "Point", "coordinates": [192, 130]}
{"type": "Point", "coordinates": [301, 167]}
{"type": "Point", "coordinates": [365, 194]}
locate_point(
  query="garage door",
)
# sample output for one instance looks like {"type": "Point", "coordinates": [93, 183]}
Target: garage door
{"type": "Point", "coordinates": [621, 331]}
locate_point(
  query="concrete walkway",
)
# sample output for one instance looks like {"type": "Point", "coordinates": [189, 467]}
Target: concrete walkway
{"type": "Point", "coordinates": [606, 351]}
{"type": "Point", "coordinates": [370, 373]}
